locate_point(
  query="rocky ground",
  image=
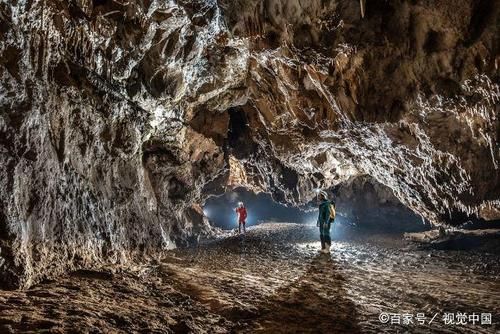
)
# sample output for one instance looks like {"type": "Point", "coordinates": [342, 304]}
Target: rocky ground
{"type": "Point", "coordinates": [271, 281]}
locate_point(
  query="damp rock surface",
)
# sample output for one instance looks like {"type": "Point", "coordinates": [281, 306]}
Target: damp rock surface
{"type": "Point", "coordinates": [271, 281]}
{"type": "Point", "coordinates": [119, 118]}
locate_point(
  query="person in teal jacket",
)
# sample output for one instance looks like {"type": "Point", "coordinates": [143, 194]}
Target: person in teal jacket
{"type": "Point", "coordinates": [324, 222]}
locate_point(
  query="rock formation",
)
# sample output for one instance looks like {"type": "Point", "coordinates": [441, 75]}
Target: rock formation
{"type": "Point", "coordinates": [118, 118]}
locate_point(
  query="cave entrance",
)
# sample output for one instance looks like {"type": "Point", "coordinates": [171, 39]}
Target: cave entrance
{"type": "Point", "coordinates": [261, 208]}
{"type": "Point", "coordinates": [364, 206]}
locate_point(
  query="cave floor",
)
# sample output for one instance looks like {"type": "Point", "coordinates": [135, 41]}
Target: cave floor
{"type": "Point", "coordinates": [271, 281]}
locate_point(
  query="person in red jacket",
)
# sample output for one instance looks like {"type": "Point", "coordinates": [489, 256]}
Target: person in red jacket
{"type": "Point", "coordinates": [242, 216]}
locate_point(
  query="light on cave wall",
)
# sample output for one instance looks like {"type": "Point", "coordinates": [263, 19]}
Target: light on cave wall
{"type": "Point", "coordinates": [206, 212]}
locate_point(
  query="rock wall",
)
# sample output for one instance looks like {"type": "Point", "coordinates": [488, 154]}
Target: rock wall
{"type": "Point", "coordinates": [117, 118]}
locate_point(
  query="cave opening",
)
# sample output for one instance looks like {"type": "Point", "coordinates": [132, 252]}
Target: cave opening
{"type": "Point", "coordinates": [363, 206]}
{"type": "Point", "coordinates": [261, 208]}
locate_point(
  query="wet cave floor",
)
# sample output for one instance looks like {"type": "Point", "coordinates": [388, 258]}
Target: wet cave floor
{"type": "Point", "coordinates": [272, 281]}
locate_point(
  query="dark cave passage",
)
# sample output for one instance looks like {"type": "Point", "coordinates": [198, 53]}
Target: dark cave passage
{"type": "Point", "coordinates": [362, 205]}
{"type": "Point", "coordinates": [261, 208]}
{"type": "Point", "coordinates": [239, 138]}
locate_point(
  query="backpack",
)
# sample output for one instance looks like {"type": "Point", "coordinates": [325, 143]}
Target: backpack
{"type": "Point", "coordinates": [332, 211]}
